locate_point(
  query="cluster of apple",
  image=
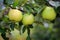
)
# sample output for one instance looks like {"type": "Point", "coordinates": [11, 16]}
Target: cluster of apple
{"type": "Point", "coordinates": [28, 19]}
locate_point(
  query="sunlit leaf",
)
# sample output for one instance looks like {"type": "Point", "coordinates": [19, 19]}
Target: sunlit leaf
{"type": "Point", "coordinates": [54, 3]}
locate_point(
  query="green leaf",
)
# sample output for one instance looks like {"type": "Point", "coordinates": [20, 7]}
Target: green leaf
{"type": "Point", "coordinates": [12, 25]}
{"type": "Point", "coordinates": [40, 2]}
{"type": "Point", "coordinates": [1, 30]}
{"type": "Point", "coordinates": [38, 18]}
{"type": "Point", "coordinates": [30, 26]}
{"type": "Point", "coordinates": [4, 35]}
{"type": "Point", "coordinates": [5, 19]}
{"type": "Point", "coordinates": [15, 3]}
{"type": "Point", "coordinates": [28, 30]}
{"type": "Point", "coordinates": [33, 7]}
{"type": "Point", "coordinates": [22, 2]}
{"type": "Point", "coordinates": [24, 28]}
{"type": "Point", "coordinates": [18, 3]}
{"type": "Point", "coordinates": [58, 10]}
{"type": "Point", "coordinates": [28, 9]}
{"type": "Point", "coordinates": [28, 38]}
{"type": "Point", "coordinates": [1, 15]}
{"type": "Point", "coordinates": [8, 2]}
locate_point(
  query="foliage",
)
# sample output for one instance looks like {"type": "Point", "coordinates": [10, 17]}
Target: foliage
{"type": "Point", "coordinates": [42, 29]}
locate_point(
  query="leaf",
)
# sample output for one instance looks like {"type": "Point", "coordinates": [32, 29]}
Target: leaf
{"type": "Point", "coordinates": [2, 24]}
{"type": "Point", "coordinates": [24, 28]}
{"type": "Point", "coordinates": [54, 3]}
{"type": "Point", "coordinates": [3, 33]}
{"type": "Point", "coordinates": [28, 38]}
{"type": "Point", "coordinates": [15, 3]}
{"type": "Point", "coordinates": [5, 19]}
{"type": "Point", "coordinates": [28, 9]}
{"type": "Point", "coordinates": [18, 3]}
{"type": "Point", "coordinates": [20, 23]}
{"type": "Point", "coordinates": [39, 9]}
{"type": "Point", "coordinates": [8, 2]}
{"type": "Point", "coordinates": [38, 18]}
{"type": "Point", "coordinates": [12, 25]}
{"type": "Point", "coordinates": [1, 15]}
{"type": "Point", "coordinates": [4, 36]}
{"type": "Point", "coordinates": [28, 30]}
{"type": "Point", "coordinates": [58, 10]}
{"type": "Point", "coordinates": [1, 30]}
{"type": "Point", "coordinates": [22, 2]}
{"type": "Point", "coordinates": [30, 26]}
{"type": "Point", "coordinates": [40, 2]}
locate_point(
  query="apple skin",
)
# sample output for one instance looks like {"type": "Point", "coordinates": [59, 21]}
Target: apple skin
{"type": "Point", "coordinates": [28, 19]}
{"type": "Point", "coordinates": [15, 15]}
{"type": "Point", "coordinates": [49, 13]}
